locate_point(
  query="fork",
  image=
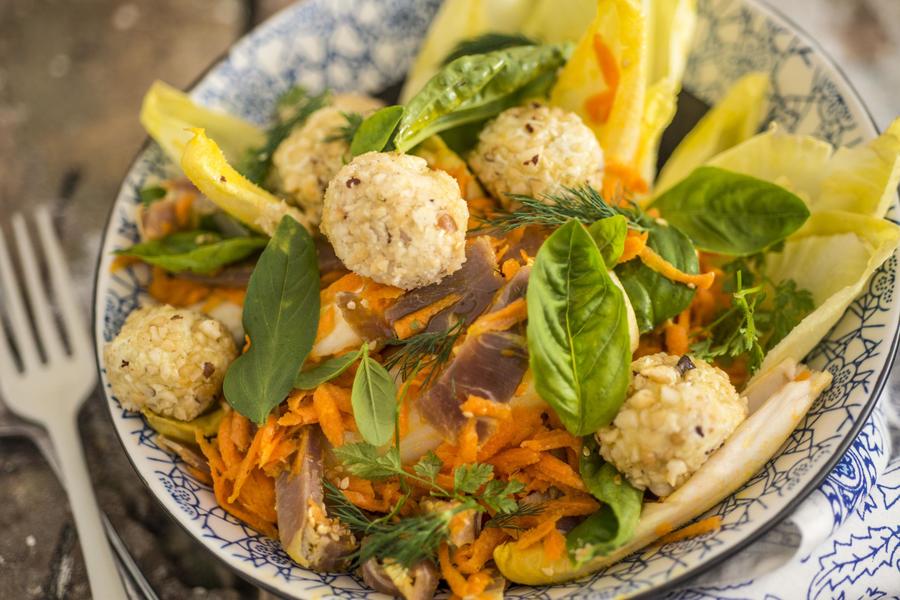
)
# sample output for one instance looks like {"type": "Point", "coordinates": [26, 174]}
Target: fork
{"type": "Point", "coordinates": [50, 392]}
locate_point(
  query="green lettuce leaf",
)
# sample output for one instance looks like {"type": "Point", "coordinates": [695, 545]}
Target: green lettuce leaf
{"type": "Point", "coordinates": [732, 120]}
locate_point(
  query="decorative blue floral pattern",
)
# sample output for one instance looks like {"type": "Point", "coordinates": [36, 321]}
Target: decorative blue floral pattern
{"type": "Point", "coordinates": [367, 45]}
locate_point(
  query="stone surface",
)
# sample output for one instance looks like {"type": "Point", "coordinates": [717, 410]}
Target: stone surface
{"type": "Point", "coordinates": [72, 73]}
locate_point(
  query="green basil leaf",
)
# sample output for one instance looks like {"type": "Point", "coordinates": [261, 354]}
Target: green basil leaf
{"type": "Point", "coordinates": [281, 316]}
{"type": "Point", "coordinates": [374, 133]}
{"type": "Point", "coordinates": [477, 87]}
{"type": "Point", "coordinates": [202, 252]}
{"type": "Point", "coordinates": [374, 400]}
{"type": "Point", "coordinates": [609, 235]}
{"type": "Point", "coordinates": [151, 194]}
{"type": "Point", "coordinates": [326, 371]}
{"type": "Point", "coordinates": [614, 523]}
{"type": "Point", "coordinates": [654, 297]}
{"type": "Point", "coordinates": [487, 42]}
{"type": "Point", "coordinates": [731, 213]}
{"type": "Point", "coordinates": [577, 331]}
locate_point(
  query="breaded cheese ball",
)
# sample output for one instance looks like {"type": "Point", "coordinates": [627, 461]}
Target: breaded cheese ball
{"type": "Point", "coordinates": [679, 411]}
{"type": "Point", "coordinates": [306, 160]}
{"type": "Point", "coordinates": [393, 219]}
{"type": "Point", "coordinates": [534, 150]}
{"type": "Point", "coordinates": [169, 360]}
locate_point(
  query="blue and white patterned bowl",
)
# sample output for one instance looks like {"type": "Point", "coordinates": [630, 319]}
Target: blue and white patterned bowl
{"type": "Point", "coordinates": [367, 45]}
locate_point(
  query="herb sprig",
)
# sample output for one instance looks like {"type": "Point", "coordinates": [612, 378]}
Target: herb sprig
{"type": "Point", "coordinates": [584, 204]}
{"type": "Point", "coordinates": [426, 350]}
{"type": "Point", "coordinates": [345, 132]}
{"type": "Point", "coordinates": [410, 539]}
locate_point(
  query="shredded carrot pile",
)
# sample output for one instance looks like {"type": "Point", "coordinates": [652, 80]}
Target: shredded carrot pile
{"type": "Point", "coordinates": [471, 558]}
{"type": "Point", "coordinates": [678, 333]}
{"type": "Point", "coordinates": [622, 181]}
{"type": "Point", "coordinates": [500, 320]}
{"type": "Point", "coordinates": [328, 405]}
{"type": "Point", "coordinates": [669, 271]}
{"type": "Point", "coordinates": [599, 106]}
{"type": "Point", "coordinates": [482, 407]}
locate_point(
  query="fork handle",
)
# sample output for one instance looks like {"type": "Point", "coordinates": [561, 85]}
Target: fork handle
{"type": "Point", "coordinates": [98, 557]}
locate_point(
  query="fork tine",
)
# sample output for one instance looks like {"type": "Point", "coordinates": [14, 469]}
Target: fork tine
{"type": "Point", "coordinates": [37, 293]}
{"type": "Point", "coordinates": [15, 311]}
{"type": "Point", "coordinates": [62, 283]}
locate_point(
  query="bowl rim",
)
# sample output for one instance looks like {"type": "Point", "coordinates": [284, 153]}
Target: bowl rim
{"type": "Point", "coordinates": [767, 8]}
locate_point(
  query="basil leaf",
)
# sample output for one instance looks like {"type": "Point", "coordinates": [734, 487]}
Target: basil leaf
{"type": "Point", "coordinates": [731, 213]}
{"type": "Point", "coordinates": [615, 521]}
{"type": "Point", "coordinates": [281, 316]}
{"type": "Point", "coordinates": [326, 371]}
{"type": "Point", "coordinates": [374, 400]}
{"type": "Point", "coordinates": [577, 331]}
{"type": "Point", "coordinates": [200, 252]}
{"type": "Point", "coordinates": [487, 42]}
{"type": "Point", "coordinates": [477, 87]}
{"type": "Point", "coordinates": [609, 235]}
{"type": "Point", "coordinates": [151, 194]}
{"type": "Point", "coordinates": [374, 133]}
{"type": "Point", "coordinates": [654, 297]}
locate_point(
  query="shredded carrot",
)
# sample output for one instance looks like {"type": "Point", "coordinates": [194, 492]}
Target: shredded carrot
{"type": "Point", "coordinates": [177, 292]}
{"type": "Point", "coordinates": [572, 505]}
{"type": "Point", "coordinates": [599, 106]}
{"type": "Point", "coordinates": [511, 432]}
{"type": "Point", "coordinates": [221, 489]}
{"type": "Point", "coordinates": [258, 495]}
{"type": "Point", "coordinates": [536, 534]}
{"type": "Point", "coordinates": [500, 320]}
{"type": "Point", "coordinates": [482, 407]}
{"type": "Point", "coordinates": [510, 267]}
{"type": "Point", "coordinates": [656, 262]}
{"type": "Point", "coordinates": [329, 415]}
{"type": "Point", "coordinates": [513, 459]}
{"type": "Point", "coordinates": [699, 528]}
{"type": "Point", "coordinates": [803, 376]}
{"type": "Point", "coordinates": [553, 439]}
{"type": "Point", "coordinates": [447, 453]}
{"type": "Point", "coordinates": [635, 241]}
{"type": "Point", "coordinates": [481, 550]}
{"type": "Point", "coordinates": [327, 322]}
{"type": "Point", "coordinates": [468, 443]}
{"type": "Point", "coordinates": [201, 476]}
{"type": "Point", "coordinates": [417, 320]}
{"type": "Point", "coordinates": [230, 455]}
{"type": "Point", "coordinates": [183, 209]}
{"type": "Point", "coordinates": [477, 583]}
{"type": "Point", "coordinates": [210, 452]}
{"type": "Point", "coordinates": [239, 431]}
{"type": "Point", "coordinates": [452, 576]}
{"type": "Point", "coordinates": [678, 333]}
{"type": "Point", "coordinates": [222, 295]}
{"type": "Point", "coordinates": [403, 417]}
{"type": "Point", "coordinates": [558, 471]}
{"type": "Point", "coordinates": [554, 545]}
{"type": "Point", "coordinates": [621, 181]}
{"type": "Point", "coordinates": [242, 471]}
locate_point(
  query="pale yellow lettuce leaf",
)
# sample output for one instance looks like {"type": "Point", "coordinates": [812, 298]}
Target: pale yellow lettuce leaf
{"type": "Point", "coordinates": [833, 256]}
{"type": "Point", "coordinates": [548, 23]}
{"type": "Point", "coordinates": [864, 178]}
{"type": "Point", "coordinates": [206, 166]}
{"type": "Point", "coordinates": [619, 25]}
{"type": "Point", "coordinates": [732, 120]}
{"type": "Point", "coordinates": [796, 162]}
{"type": "Point", "coordinates": [670, 27]}
{"type": "Point", "coordinates": [168, 115]}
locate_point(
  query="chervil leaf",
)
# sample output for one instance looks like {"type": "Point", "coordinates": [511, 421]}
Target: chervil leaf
{"type": "Point", "coordinates": [467, 479]}
{"type": "Point", "coordinates": [428, 466]}
{"type": "Point", "coordinates": [365, 460]}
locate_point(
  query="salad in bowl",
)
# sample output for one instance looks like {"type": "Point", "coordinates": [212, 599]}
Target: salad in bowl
{"type": "Point", "coordinates": [475, 336]}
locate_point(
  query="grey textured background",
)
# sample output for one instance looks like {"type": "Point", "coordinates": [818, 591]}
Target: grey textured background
{"type": "Point", "coordinates": [72, 73]}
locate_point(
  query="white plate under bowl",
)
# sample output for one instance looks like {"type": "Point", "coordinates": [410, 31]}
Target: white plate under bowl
{"type": "Point", "coordinates": [367, 45]}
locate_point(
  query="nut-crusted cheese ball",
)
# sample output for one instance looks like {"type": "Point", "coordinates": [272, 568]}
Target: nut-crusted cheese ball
{"type": "Point", "coordinates": [169, 360]}
{"type": "Point", "coordinates": [679, 411]}
{"type": "Point", "coordinates": [306, 161]}
{"type": "Point", "coordinates": [393, 219]}
{"type": "Point", "coordinates": [534, 150]}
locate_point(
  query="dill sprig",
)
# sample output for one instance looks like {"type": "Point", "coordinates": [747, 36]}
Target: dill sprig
{"type": "Point", "coordinates": [345, 132]}
{"type": "Point", "coordinates": [584, 204]}
{"type": "Point", "coordinates": [507, 520]}
{"type": "Point", "coordinates": [426, 350]}
{"type": "Point", "coordinates": [405, 540]}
